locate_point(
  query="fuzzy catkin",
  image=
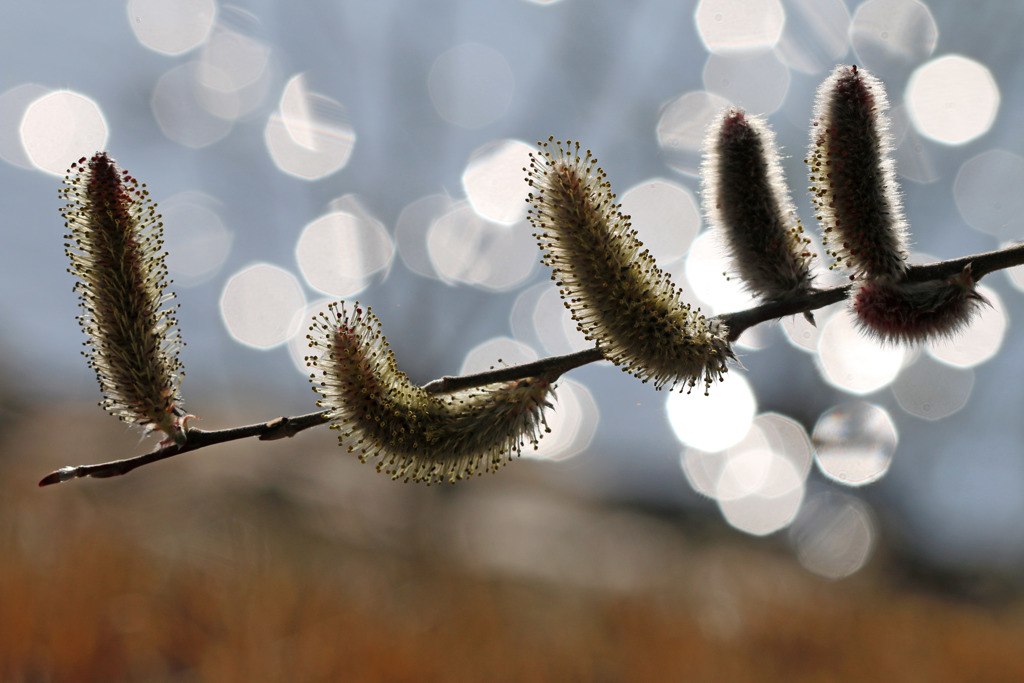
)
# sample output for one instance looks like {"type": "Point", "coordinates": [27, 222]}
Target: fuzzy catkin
{"type": "Point", "coordinates": [853, 178]}
{"type": "Point", "coordinates": [416, 436]}
{"type": "Point", "coordinates": [115, 247]}
{"type": "Point", "coordinates": [915, 312]}
{"type": "Point", "coordinates": [745, 196]}
{"type": "Point", "coordinates": [617, 295]}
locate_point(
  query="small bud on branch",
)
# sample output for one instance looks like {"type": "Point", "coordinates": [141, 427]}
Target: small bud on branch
{"type": "Point", "coordinates": [418, 436]}
{"type": "Point", "coordinates": [617, 295]}
{"type": "Point", "coordinates": [115, 251]}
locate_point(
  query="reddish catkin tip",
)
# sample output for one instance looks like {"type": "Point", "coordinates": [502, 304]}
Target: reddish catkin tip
{"type": "Point", "coordinates": [914, 312]}
{"type": "Point", "coordinates": [853, 179]}
{"type": "Point", "coordinates": [617, 295]}
{"type": "Point", "coordinates": [114, 245]}
{"type": "Point", "coordinates": [744, 194]}
{"type": "Point", "coordinates": [416, 436]}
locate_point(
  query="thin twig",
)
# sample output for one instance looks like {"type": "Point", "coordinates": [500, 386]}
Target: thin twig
{"type": "Point", "coordinates": [554, 367]}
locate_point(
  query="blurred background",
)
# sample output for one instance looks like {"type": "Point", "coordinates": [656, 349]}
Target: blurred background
{"type": "Point", "coordinates": [833, 510]}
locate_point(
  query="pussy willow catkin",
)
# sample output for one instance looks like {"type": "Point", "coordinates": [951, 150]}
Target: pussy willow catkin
{"type": "Point", "coordinates": [913, 312]}
{"type": "Point", "coordinates": [617, 295]}
{"type": "Point", "coordinates": [853, 178]}
{"type": "Point", "coordinates": [416, 436]}
{"type": "Point", "coordinates": [745, 197]}
{"type": "Point", "coordinates": [115, 246]}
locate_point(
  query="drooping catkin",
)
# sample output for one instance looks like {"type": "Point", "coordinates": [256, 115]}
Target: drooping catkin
{"type": "Point", "coordinates": [853, 177]}
{"type": "Point", "coordinates": [617, 295]}
{"type": "Point", "coordinates": [914, 312]}
{"type": "Point", "coordinates": [745, 197]}
{"type": "Point", "coordinates": [115, 247]}
{"type": "Point", "coordinates": [416, 436]}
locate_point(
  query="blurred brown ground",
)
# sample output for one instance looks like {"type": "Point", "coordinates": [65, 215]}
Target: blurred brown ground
{"type": "Point", "coordinates": [291, 561]}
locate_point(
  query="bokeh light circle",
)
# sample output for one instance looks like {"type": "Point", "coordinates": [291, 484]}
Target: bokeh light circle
{"type": "Point", "coordinates": [979, 342]}
{"type": "Point", "coordinates": [988, 193]}
{"type": "Point", "coordinates": [709, 273]}
{"type": "Point", "coordinates": [13, 104]}
{"type": "Point", "coordinates": [815, 35]}
{"type": "Point", "coordinates": [339, 252]}
{"type": "Point", "coordinates": [171, 27]}
{"type": "Point", "coordinates": [852, 361]}
{"type": "Point", "coordinates": [773, 504]}
{"type": "Point", "coordinates": [932, 390]}
{"type": "Point", "coordinates": [196, 239]}
{"type": "Point", "coordinates": [716, 421]}
{"type": "Point", "coordinates": [495, 183]}
{"type": "Point", "coordinates": [834, 534]}
{"type": "Point", "coordinates": [952, 99]}
{"type": "Point", "coordinates": [181, 115]}
{"type": "Point", "coordinates": [756, 82]}
{"type": "Point", "coordinates": [60, 128]}
{"type": "Point", "coordinates": [471, 85]}
{"type": "Point", "coordinates": [262, 306]}
{"type": "Point", "coordinates": [854, 443]}
{"type": "Point", "coordinates": [309, 136]}
{"type": "Point", "coordinates": [665, 216]}
{"type": "Point", "coordinates": [682, 128]}
{"type": "Point", "coordinates": [731, 25]}
{"type": "Point", "coordinates": [888, 34]}
{"type": "Point", "coordinates": [413, 227]}
{"type": "Point", "coordinates": [465, 248]}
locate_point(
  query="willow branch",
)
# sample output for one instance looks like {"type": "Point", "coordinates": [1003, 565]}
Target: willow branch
{"type": "Point", "coordinates": [553, 367]}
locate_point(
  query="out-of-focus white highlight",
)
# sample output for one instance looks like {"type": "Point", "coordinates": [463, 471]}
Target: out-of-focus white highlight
{"type": "Point", "coordinates": [232, 60]}
{"type": "Point", "coordinates": [834, 534]}
{"type": "Point", "coordinates": [759, 481]}
{"type": "Point", "coordinates": [851, 361]}
{"type": "Point", "coordinates": [730, 25]}
{"type": "Point", "coordinates": [179, 112]}
{"type": "Point", "coordinates": [413, 227]}
{"type": "Point", "coordinates": [854, 443]}
{"type": "Point", "coordinates": [262, 306]}
{"type": "Point", "coordinates": [540, 312]}
{"type": "Point", "coordinates": [309, 136]}
{"type": "Point", "coordinates": [665, 216]}
{"type": "Point", "coordinates": [171, 27]}
{"type": "Point", "coordinates": [471, 85]}
{"type": "Point", "coordinates": [714, 422]}
{"type": "Point", "coordinates": [757, 82]}
{"type": "Point", "coordinates": [496, 353]}
{"type": "Point", "coordinates": [495, 182]}
{"type": "Point", "coordinates": [814, 36]}
{"type": "Point", "coordinates": [682, 128]}
{"type": "Point", "coordinates": [13, 104]}
{"type": "Point", "coordinates": [339, 252]}
{"type": "Point", "coordinates": [465, 248]}
{"type": "Point", "coordinates": [708, 269]}
{"type": "Point", "coordinates": [932, 390]}
{"type": "Point", "coordinates": [892, 33]}
{"type": "Point", "coordinates": [197, 242]}
{"type": "Point", "coordinates": [298, 344]}
{"type": "Point", "coordinates": [231, 75]}
{"type": "Point", "coordinates": [60, 128]}
{"type": "Point", "coordinates": [952, 99]}
{"type": "Point", "coordinates": [774, 504]}
{"type": "Point", "coordinates": [981, 340]}
{"type": "Point", "coordinates": [573, 420]}
{"type": "Point", "coordinates": [988, 193]}
{"type": "Point", "coordinates": [716, 475]}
